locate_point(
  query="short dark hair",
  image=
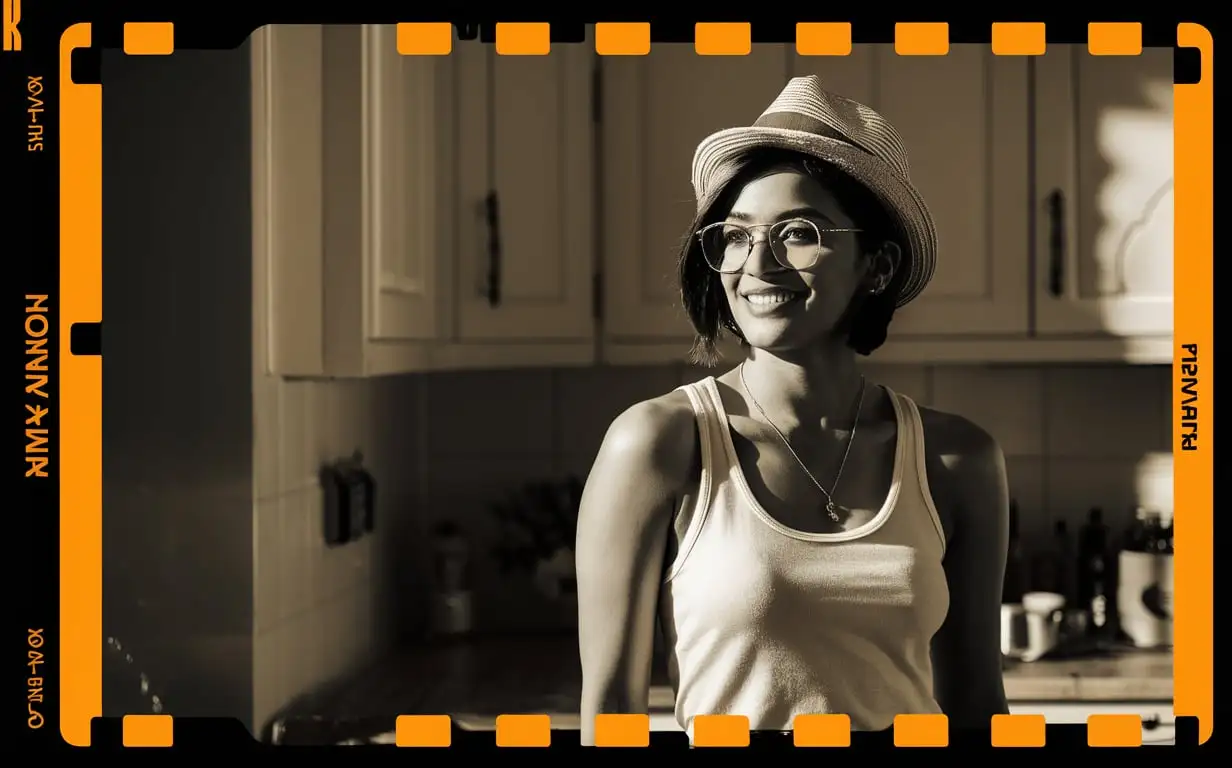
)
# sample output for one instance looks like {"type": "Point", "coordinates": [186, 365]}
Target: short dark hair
{"type": "Point", "coordinates": [867, 320]}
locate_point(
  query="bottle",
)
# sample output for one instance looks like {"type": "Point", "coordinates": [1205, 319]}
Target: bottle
{"type": "Point", "coordinates": [1135, 536]}
{"type": "Point", "coordinates": [1153, 534]}
{"type": "Point", "coordinates": [1046, 568]}
{"type": "Point", "coordinates": [1013, 587]}
{"type": "Point", "coordinates": [1066, 559]}
{"type": "Point", "coordinates": [1161, 542]}
{"type": "Point", "coordinates": [1094, 589]}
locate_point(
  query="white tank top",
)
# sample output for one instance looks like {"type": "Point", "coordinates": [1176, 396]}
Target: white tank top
{"type": "Point", "coordinates": [769, 622]}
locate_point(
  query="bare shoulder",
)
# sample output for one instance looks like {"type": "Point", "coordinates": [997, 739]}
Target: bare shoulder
{"type": "Point", "coordinates": [658, 435]}
{"type": "Point", "coordinates": [640, 472]}
{"type": "Point", "coordinates": [966, 471]}
{"type": "Point", "coordinates": [959, 441]}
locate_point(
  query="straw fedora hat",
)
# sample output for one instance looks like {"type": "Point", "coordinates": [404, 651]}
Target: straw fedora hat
{"type": "Point", "coordinates": [848, 135]}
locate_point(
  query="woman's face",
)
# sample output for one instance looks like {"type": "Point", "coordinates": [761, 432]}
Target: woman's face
{"type": "Point", "coordinates": [778, 308]}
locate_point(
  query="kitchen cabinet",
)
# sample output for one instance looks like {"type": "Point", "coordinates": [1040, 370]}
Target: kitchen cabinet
{"type": "Point", "coordinates": [967, 110]}
{"type": "Point", "coordinates": [525, 137]}
{"type": "Point", "coordinates": [1104, 172]}
{"type": "Point", "coordinates": [414, 213]}
{"type": "Point", "coordinates": [476, 210]}
{"type": "Point", "coordinates": [990, 299]}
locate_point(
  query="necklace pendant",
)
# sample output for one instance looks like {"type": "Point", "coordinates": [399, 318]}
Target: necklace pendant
{"type": "Point", "coordinates": [831, 511]}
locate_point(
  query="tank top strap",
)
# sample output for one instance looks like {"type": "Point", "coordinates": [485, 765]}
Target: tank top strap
{"type": "Point", "coordinates": [915, 464]}
{"type": "Point", "coordinates": [711, 421]}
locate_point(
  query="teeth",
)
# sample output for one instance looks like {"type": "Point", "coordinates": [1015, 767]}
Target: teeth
{"type": "Point", "coordinates": [769, 299]}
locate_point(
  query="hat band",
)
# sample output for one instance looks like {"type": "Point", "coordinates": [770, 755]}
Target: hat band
{"type": "Point", "coordinates": [795, 121]}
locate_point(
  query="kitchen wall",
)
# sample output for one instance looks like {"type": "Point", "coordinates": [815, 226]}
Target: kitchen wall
{"type": "Point", "coordinates": [319, 611]}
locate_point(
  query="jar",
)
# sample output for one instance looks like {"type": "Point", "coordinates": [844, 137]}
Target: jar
{"type": "Point", "coordinates": [452, 600]}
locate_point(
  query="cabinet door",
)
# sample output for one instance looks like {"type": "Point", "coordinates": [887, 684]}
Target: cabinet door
{"type": "Point", "coordinates": [656, 108]}
{"type": "Point", "coordinates": [525, 237]}
{"type": "Point", "coordinates": [399, 189]}
{"type": "Point", "coordinates": [1104, 184]}
{"type": "Point", "coordinates": [287, 190]}
{"type": "Point", "coordinates": [964, 120]}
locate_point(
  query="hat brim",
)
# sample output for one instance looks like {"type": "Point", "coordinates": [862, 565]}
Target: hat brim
{"type": "Point", "coordinates": [901, 200]}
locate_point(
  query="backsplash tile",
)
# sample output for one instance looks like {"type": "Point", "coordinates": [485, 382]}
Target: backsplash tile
{"type": "Point", "coordinates": [588, 399]}
{"type": "Point", "coordinates": [912, 381]}
{"type": "Point", "coordinates": [490, 414]}
{"type": "Point", "coordinates": [462, 491]}
{"type": "Point", "coordinates": [320, 611]}
{"type": "Point", "coordinates": [1026, 475]}
{"type": "Point", "coordinates": [1107, 411]}
{"type": "Point", "coordinates": [1075, 485]}
{"type": "Point", "coordinates": [1007, 402]}
{"type": "Point", "coordinates": [297, 407]}
{"type": "Point", "coordinates": [266, 417]}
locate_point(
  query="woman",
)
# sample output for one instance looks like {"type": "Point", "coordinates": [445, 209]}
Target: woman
{"type": "Point", "coordinates": [810, 542]}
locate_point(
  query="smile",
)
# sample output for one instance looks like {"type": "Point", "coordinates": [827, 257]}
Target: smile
{"type": "Point", "coordinates": [771, 302]}
{"type": "Point", "coordinates": [770, 298]}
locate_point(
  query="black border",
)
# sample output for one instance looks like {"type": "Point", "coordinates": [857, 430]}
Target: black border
{"type": "Point", "coordinates": [31, 228]}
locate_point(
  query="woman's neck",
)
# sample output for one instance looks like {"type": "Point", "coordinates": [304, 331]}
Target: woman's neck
{"type": "Point", "coordinates": [818, 389]}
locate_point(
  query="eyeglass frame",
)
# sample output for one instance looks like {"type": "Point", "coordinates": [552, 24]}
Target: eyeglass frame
{"type": "Point", "coordinates": [753, 242]}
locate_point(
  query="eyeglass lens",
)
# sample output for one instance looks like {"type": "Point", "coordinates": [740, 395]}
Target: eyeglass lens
{"type": "Point", "coordinates": [795, 244]}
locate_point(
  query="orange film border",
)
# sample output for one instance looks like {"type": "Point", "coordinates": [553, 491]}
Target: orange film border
{"type": "Point", "coordinates": [148, 731]}
{"type": "Point", "coordinates": [81, 411]}
{"type": "Point", "coordinates": [81, 383]}
{"type": "Point", "coordinates": [1192, 371]}
{"type": "Point", "coordinates": [422, 731]}
{"type": "Point", "coordinates": [149, 38]}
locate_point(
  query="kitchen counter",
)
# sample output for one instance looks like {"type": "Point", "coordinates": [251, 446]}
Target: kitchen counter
{"type": "Point", "coordinates": [477, 680]}
{"type": "Point", "coordinates": [1120, 676]}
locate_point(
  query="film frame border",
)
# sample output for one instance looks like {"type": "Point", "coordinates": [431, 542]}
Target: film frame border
{"type": "Point", "coordinates": [81, 384]}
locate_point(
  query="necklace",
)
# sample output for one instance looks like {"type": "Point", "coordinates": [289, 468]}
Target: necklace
{"type": "Point", "coordinates": [831, 507]}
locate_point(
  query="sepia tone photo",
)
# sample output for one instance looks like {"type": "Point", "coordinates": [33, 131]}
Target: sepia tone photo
{"type": "Point", "coordinates": [771, 385]}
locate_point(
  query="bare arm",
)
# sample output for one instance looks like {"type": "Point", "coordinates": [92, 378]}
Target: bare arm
{"type": "Point", "coordinates": [623, 525]}
{"type": "Point", "coordinates": [967, 650]}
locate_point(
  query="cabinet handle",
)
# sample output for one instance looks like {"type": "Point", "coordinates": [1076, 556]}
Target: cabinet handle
{"type": "Point", "coordinates": [492, 208]}
{"type": "Point", "coordinates": [1056, 243]}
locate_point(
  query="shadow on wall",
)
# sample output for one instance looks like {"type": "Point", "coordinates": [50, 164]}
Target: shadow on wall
{"type": "Point", "coordinates": [177, 380]}
{"type": "Point", "coordinates": [218, 586]}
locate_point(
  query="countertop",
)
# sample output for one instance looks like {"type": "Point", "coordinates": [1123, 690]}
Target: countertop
{"type": "Point", "coordinates": [1127, 675]}
{"type": "Point", "coordinates": [481, 678]}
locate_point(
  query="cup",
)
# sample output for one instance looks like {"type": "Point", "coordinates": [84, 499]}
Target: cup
{"type": "Point", "coordinates": [1014, 641]}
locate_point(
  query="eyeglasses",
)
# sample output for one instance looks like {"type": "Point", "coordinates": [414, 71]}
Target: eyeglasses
{"type": "Point", "coordinates": [795, 243]}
